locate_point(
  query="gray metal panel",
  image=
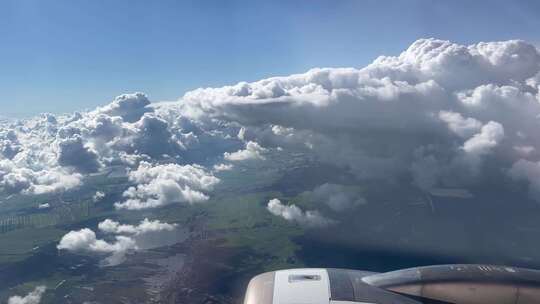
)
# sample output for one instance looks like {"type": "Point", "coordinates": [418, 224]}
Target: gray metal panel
{"type": "Point", "coordinates": [341, 287]}
{"type": "Point", "coordinates": [347, 285]}
{"type": "Point", "coordinates": [528, 295]}
{"type": "Point", "coordinates": [301, 286]}
{"type": "Point", "coordinates": [260, 289]}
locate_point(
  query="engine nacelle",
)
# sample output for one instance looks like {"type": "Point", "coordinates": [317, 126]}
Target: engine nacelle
{"type": "Point", "coordinates": [456, 284]}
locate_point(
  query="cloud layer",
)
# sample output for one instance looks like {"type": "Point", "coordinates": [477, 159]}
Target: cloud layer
{"type": "Point", "coordinates": [438, 115]}
{"type": "Point", "coordinates": [52, 153]}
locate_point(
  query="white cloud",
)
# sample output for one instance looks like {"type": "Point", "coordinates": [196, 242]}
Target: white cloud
{"type": "Point", "coordinates": [482, 142]}
{"type": "Point", "coordinates": [463, 127]}
{"type": "Point", "coordinates": [252, 151]}
{"type": "Point", "coordinates": [159, 185]}
{"type": "Point", "coordinates": [85, 241]}
{"type": "Point", "coordinates": [292, 213]}
{"type": "Point", "coordinates": [15, 178]}
{"type": "Point", "coordinates": [439, 113]}
{"type": "Point", "coordinates": [127, 238]}
{"type": "Point", "coordinates": [223, 167]}
{"type": "Point", "coordinates": [145, 226]}
{"type": "Point", "coordinates": [128, 106]}
{"type": "Point", "coordinates": [50, 153]}
{"type": "Point", "coordinates": [153, 137]}
{"type": "Point", "coordinates": [98, 196]}
{"type": "Point", "coordinates": [34, 297]}
{"type": "Point", "coordinates": [44, 206]}
{"type": "Point", "coordinates": [338, 197]}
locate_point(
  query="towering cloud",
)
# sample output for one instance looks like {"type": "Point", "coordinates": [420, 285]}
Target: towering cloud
{"type": "Point", "coordinates": [436, 113]}
{"type": "Point", "coordinates": [130, 107]}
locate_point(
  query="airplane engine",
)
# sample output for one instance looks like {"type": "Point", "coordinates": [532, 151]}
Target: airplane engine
{"type": "Point", "coordinates": [444, 284]}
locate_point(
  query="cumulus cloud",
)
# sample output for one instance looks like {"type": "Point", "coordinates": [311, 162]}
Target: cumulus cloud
{"type": "Point", "coordinates": [98, 196]}
{"type": "Point", "coordinates": [439, 114]}
{"type": "Point", "coordinates": [9, 144]}
{"type": "Point", "coordinates": [153, 138]}
{"type": "Point", "coordinates": [73, 153]}
{"type": "Point", "coordinates": [50, 153]}
{"type": "Point", "coordinates": [145, 226]}
{"type": "Point", "coordinates": [34, 297]}
{"type": "Point", "coordinates": [482, 142]}
{"type": "Point", "coordinates": [85, 241]}
{"type": "Point", "coordinates": [463, 127]}
{"type": "Point", "coordinates": [44, 206]}
{"type": "Point", "coordinates": [252, 151]}
{"type": "Point", "coordinates": [159, 185]}
{"type": "Point", "coordinates": [127, 238]}
{"type": "Point", "coordinates": [223, 167]}
{"type": "Point", "coordinates": [337, 197]}
{"type": "Point", "coordinates": [16, 178]}
{"type": "Point", "coordinates": [128, 106]}
{"type": "Point", "coordinates": [436, 113]}
{"type": "Point", "coordinates": [292, 213]}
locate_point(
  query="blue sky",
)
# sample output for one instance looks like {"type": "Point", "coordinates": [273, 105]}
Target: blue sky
{"type": "Point", "coordinates": [67, 55]}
